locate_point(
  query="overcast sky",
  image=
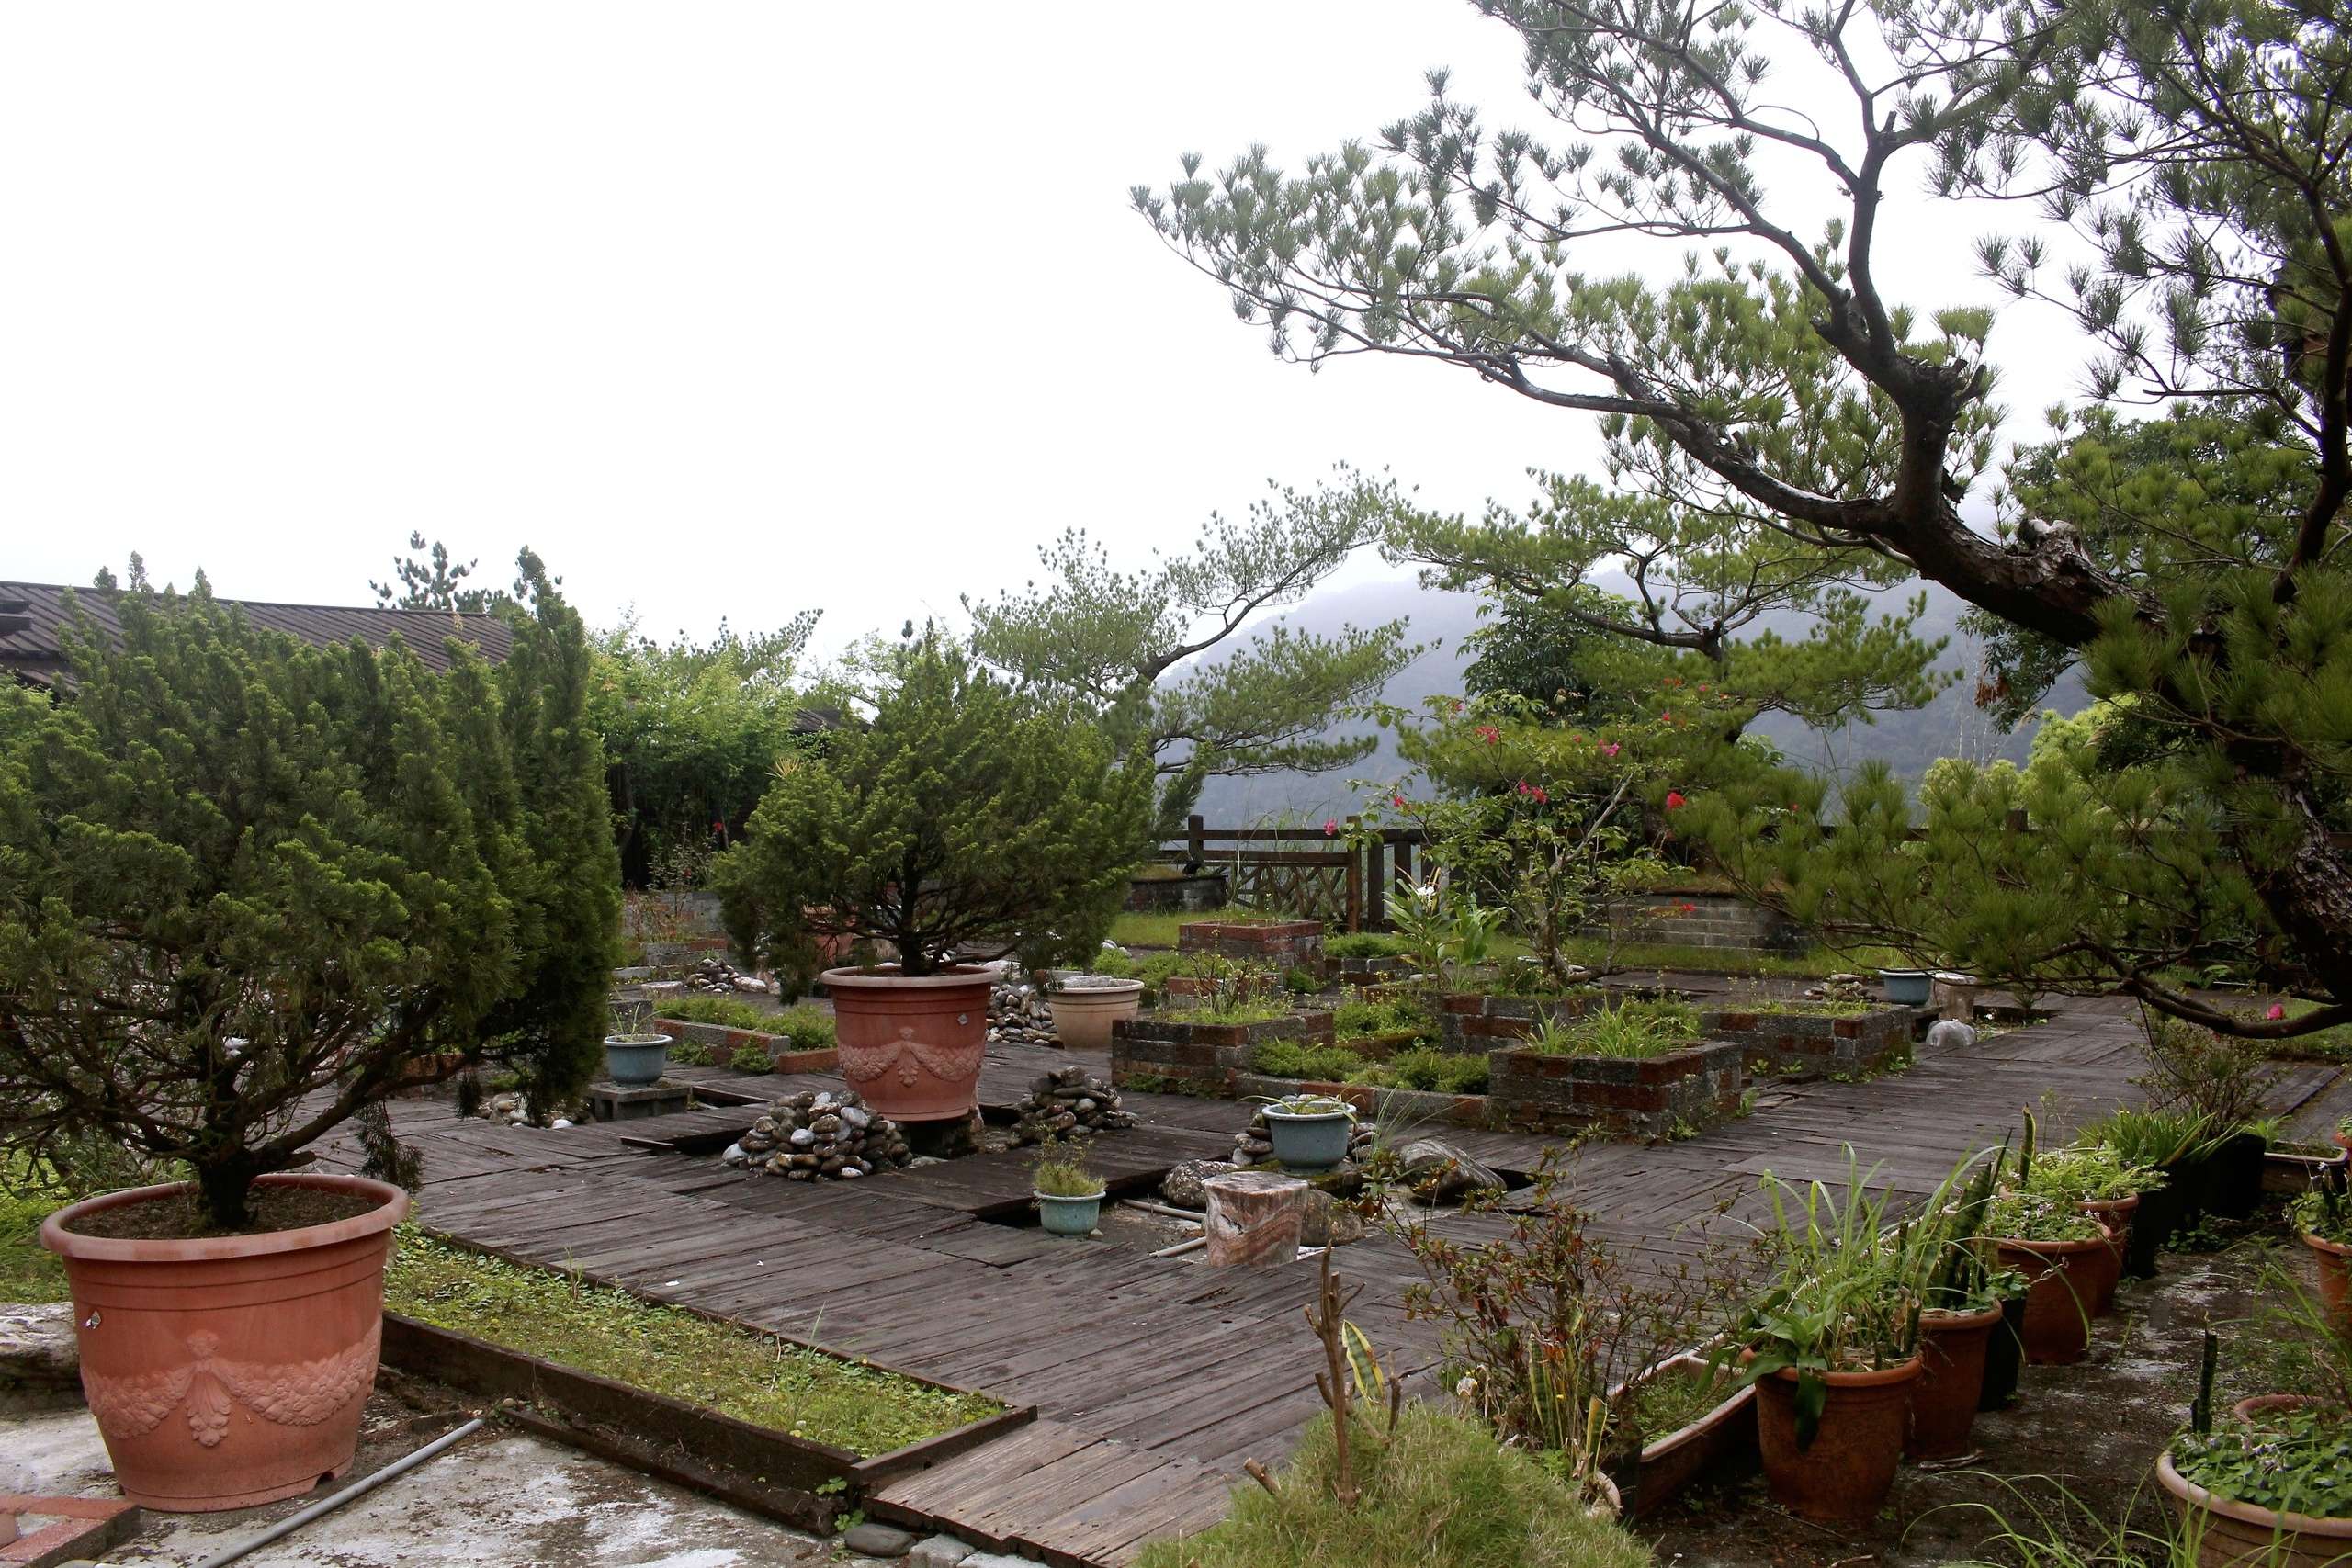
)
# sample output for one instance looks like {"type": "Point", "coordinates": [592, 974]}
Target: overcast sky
{"type": "Point", "coordinates": [728, 310]}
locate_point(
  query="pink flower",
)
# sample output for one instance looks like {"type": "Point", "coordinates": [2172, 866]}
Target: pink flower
{"type": "Point", "coordinates": [1330, 826]}
{"type": "Point", "coordinates": [1688, 907]}
{"type": "Point", "coordinates": [2276, 1011]}
{"type": "Point", "coordinates": [1666, 718]}
{"type": "Point", "coordinates": [1610, 749]}
{"type": "Point", "coordinates": [1398, 801]}
{"type": "Point", "coordinates": [1489, 733]}
{"type": "Point", "coordinates": [1674, 801]}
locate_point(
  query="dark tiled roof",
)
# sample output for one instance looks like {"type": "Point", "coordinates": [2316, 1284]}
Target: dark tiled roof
{"type": "Point", "coordinates": [38, 608]}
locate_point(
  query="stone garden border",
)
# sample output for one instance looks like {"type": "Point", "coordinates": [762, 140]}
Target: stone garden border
{"type": "Point", "coordinates": [1280, 943]}
{"type": "Point", "coordinates": [738, 1461]}
{"type": "Point", "coordinates": [1479, 1020]}
{"type": "Point", "coordinates": [726, 1042]}
{"type": "Point", "coordinates": [1410, 1105]}
{"type": "Point", "coordinates": [1849, 1045]}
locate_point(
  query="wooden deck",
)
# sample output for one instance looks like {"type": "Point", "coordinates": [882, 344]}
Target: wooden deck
{"type": "Point", "coordinates": [1154, 1378]}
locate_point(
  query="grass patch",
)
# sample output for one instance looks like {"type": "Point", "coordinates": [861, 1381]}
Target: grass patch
{"type": "Point", "coordinates": [727, 1012]}
{"type": "Point", "coordinates": [1366, 944]}
{"type": "Point", "coordinates": [1157, 928]}
{"type": "Point", "coordinates": [1251, 1010]}
{"type": "Point", "coordinates": [614, 1335]}
{"type": "Point", "coordinates": [1357, 1019]}
{"type": "Point", "coordinates": [1438, 1494]}
{"type": "Point", "coordinates": [29, 1271]}
{"type": "Point", "coordinates": [1289, 1059]}
{"type": "Point", "coordinates": [1428, 1069]}
{"type": "Point", "coordinates": [1812, 963]}
{"type": "Point", "coordinates": [1629, 1030]}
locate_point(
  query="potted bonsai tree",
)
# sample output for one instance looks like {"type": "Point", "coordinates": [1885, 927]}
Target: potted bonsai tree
{"type": "Point", "coordinates": [248, 888]}
{"type": "Point", "coordinates": [1069, 1196]}
{"type": "Point", "coordinates": [969, 822]}
{"type": "Point", "coordinates": [1830, 1348]}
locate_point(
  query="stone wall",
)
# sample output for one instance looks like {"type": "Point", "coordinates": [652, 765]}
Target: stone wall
{"type": "Point", "coordinates": [1720, 920]}
{"type": "Point", "coordinates": [1201, 1058]}
{"type": "Point", "coordinates": [1529, 1091]}
{"type": "Point", "coordinates": [1206, 891]}
{"type": "Point", "coordinates": [1802, 1042]}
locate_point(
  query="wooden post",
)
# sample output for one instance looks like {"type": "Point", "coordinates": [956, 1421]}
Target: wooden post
{"type": "Point", "coordinates": [1355, 883]}
{"type": "Point", "coordinates": [2015, 822]}
{"type": "Point", "coordinates": [1403, 863]}
{"type": "Point", "coordinates": [1193, 855]}
{"type": "Point", "coordinates": [1375, 886]}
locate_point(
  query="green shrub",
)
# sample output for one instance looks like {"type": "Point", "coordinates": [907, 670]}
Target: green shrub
{"type": "Point", "coordinates": [970, 815]}
{"type": "Point", "coordinates": [28, 1194]}
{"type": "Point", "coordinates": [1437, 1493]}
{"type": "Point", "coordinates": [1289, 1059]}
{"type": "Point", "coordinates": [1299, 982]}
{"type": "Point", "coordinates": [689, 1054]}
{"type": "Point", "coordinates": [808, 1029]}
{"type": "Point", "coordinates": [1438, 1072]}
{"type": "Point", "coordinates": [1362, 1017]}
{"type": "Point", "coordinates": [1365, 945]}
{"type": "Point", "coordinates": [347, 862]}
{"type": "Point", "coordinates": [1631, 1028]}
{"type": "Point", "coordinates": [727, 1012]}
{"type": "Point", "coordinates": [753, 1058]}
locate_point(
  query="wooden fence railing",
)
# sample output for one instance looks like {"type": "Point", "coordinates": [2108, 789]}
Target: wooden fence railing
{"type": "Point", "coordinates": [1340, 884]}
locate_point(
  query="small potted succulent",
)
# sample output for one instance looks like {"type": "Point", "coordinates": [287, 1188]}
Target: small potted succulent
{"type": "Point", "coordinates": [1831, 1350]}
{"type": "Point", "coordinates": [634, 1054]}
{"type": "Point", "coordinates": [1069, 1196]}
{"type": "Point", "coordinates": [969, 822]}
{"type": "Point", "coordinates": [1309, 1132]}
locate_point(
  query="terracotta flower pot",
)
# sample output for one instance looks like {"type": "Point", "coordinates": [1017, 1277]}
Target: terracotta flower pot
{"type": "Point", "coordinates": [229, 1371]}
{"type": "Point", "coordinates": [1083, 1014]}
{"type": "Point", "coordinates": [2061, 1278]}
{"type": "Point", "coordinates": [1844, 1476]}
{"type": "Point", "coordinates": [1952, 1377]}
{"type": "Point", "coordinates": [912, 1045]}
{"type": "Point", "coordinates": [2335, 1287]}
{"type": "Point", "coordinates": [2115, 1213]}
{"type": "Point", "coordinates": [2230, 1534]}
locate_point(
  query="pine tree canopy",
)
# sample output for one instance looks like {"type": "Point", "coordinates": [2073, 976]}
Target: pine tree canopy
{"type": "Point", "coordinates": [1773, 401]}
{"type": "Point", "coordinates": [248, 886]}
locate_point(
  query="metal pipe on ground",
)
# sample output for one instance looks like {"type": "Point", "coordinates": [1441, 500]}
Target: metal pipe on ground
{"type": "Point", "coordinates": [293, 1522]}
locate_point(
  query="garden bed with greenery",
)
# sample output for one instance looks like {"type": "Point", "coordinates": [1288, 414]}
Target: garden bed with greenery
{"type": "Point", "coordinates": [666, 1350]}
{"type": "Point", "coordinates": [721, 1031]}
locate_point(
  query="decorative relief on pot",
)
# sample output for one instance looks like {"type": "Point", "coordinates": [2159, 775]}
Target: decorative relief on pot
{"type": "Point", "coordinates": [912, 1058]}
{"type": "Point", "coordinates": [291, 1394]}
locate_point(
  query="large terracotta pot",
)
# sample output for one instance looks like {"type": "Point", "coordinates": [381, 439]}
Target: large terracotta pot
{"type": "Point", "coordinates": [1952, 1377]}
{"type": "Point", "coordinates": [2062, 1280]}
{"type": "Point", "coordinates": [2333, 1287]}
{"type": "Point", "coordinates": [229, 1371]}
{"type": "Point", "coordinates": [1083, 1014]}
{"type": "Point", "coordinates": [912, 1046]}
{"type": "Point", "coordinates": [2230, 1534]}
{"type": "Point", "coordinates": [2115, 1213]}
{"type": "Point", "coordinates": [1844, 1477]}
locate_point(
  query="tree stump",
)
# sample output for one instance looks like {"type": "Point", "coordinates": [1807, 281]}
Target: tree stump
{"type": "Point", "coordinates": [1253, 1218]}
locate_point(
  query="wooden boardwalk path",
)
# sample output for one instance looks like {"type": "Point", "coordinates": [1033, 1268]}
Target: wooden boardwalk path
{"type": "Point", "coordinates": [1154, 1378]}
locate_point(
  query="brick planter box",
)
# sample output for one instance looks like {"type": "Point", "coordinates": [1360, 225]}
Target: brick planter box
{"type": "Point", "coordinates": [1649, 1096]}
{"type": "Point", "coordinates": [1470, 1021]}
{"type": "Point", "coordinates": [1204, 891]}
{"type": "Point", "coordinates": [1202, 1058]}
{"type": "Point", "coordinates": [1366, 971]}
{"type": "Point", "coordinates": [724, 1042]}
{"type": "Point", "coordinates": [1802, 1041]}
{"type": "Point", "coordinates": [1280, 943]}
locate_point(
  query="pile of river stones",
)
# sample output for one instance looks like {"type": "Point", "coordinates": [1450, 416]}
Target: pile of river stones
{"type": "Point", "coordinates": [821, 1135]}
{"type": "Point", "coordinates": [511, 1108]}
{"type": "Point", "coordinates": [1018, 1015]}
{"type": "Point", "coordinates": [716, 977]}
{"type": "Point", "coordinates": [1068, 1102]}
